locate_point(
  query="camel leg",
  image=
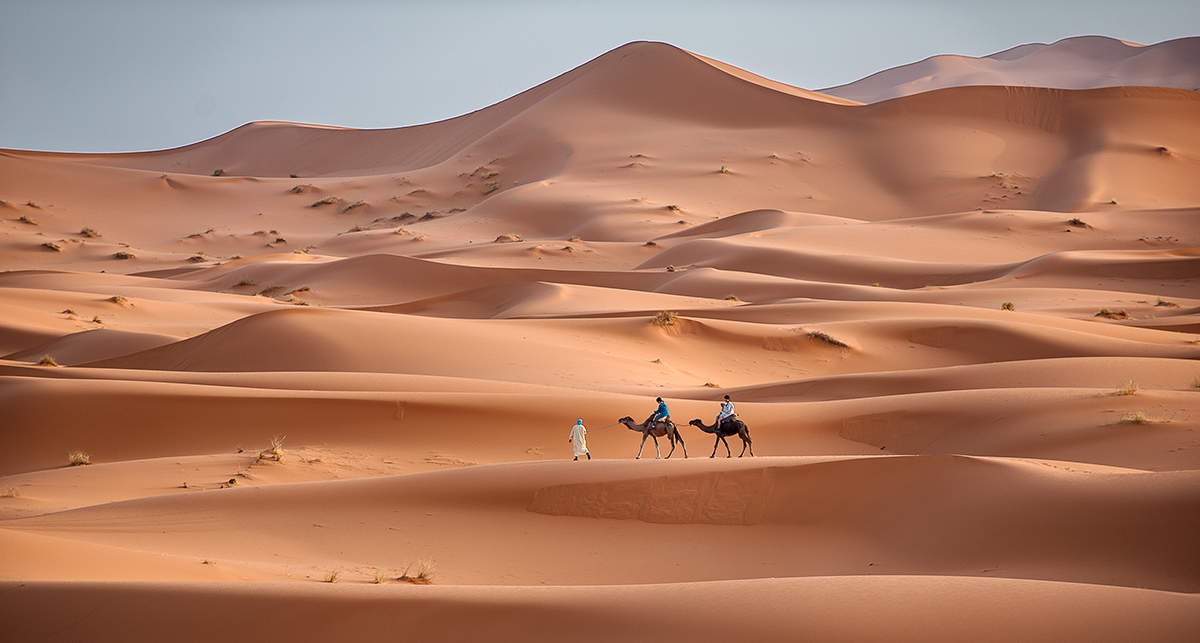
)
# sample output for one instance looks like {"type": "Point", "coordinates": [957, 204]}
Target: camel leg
{"type": "Point", "coordinates": [639, 455]}
{"type": "Point", "coordinates": [679, 437]}
{"type": "Point", "coordinates": [728, 451]}
{"type": "Point", "coordinates": [657, 453]}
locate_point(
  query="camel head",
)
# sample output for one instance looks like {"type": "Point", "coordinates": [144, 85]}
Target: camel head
{"type": "Point", "coordinates": [697, 423]}
{"type": "Point", "coordinates": [626, 419]}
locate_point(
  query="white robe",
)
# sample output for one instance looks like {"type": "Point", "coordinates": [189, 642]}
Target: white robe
{"type": "Point", "coordinates": [579, 439]}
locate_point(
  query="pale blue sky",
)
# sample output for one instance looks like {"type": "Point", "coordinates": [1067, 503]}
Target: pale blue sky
{"type": "Point", "coordinates": [116, 75]}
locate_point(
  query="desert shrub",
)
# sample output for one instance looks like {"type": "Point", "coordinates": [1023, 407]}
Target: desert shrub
{"type": "Point", "coordinates": [329, 200]}
{"type": "Point", "coordinates": [356, 204]}
{"type": "Point", "coordinates": [1135, 417]}
{"type": "Point", "coordinates": [89, 233]}
{"type": "Point", "coordinates": [10, 492]}
{"type": "Point", "coordinates": [25, 218]}
{"type": "Point", "coordinates": [1008, 305]}
{"type": "Point", "coordinates": [1128, 388]}
{"type": "Point", "coordinates": [47, 360]}
{"type": "Point", "coordinates": [491, 187]}
{"type": "Point", "coordinates": [511, 236]}
{"type": "Point", "coordinates": [123, 255]}
{"type": "Point", "coordinates": [52, 246]}
{"type": "Point", "coordinates": [79, 458]}
{"type": "Point", "coordinates": [665, 318]}
{"type": "Point", "coordinates": [332, 575]}
{"type": "Point", "coordinates": [822, 336]}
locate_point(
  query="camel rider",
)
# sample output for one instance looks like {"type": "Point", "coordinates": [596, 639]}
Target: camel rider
{"type": "Point", "coordinates": [727, 412]}
{"type": "Point", "coordinates": [660, 414]}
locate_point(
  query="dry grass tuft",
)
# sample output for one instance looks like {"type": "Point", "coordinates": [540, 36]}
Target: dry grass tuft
{"type": "Point", "coordinates": [665, 318]}
{"type": "Point", "coordinates": [269, 290]}
{"type": "Point", "coordinates": [119, 300]}
{"type": "Point", "coordinates": [96, 319]}
{"type": "Point", "coordinates": [10, 492]}
{"type": "Point", "coordinates": [1196, 382]}
{"type": "Point", "coordinates": [46, 360]}
{"type": "Point", "coordinates": [274, 452]}
{"type": "Point", "coordinates": [52, 246]}
{"type": "Point", "coordinates": [674, 208]}
{"type": "Point", "coordinates": [332, 575]}
{"type": "Point", "coordinates": [401, 231]}
{"type": "Point", "coordinates": [1165, 303]}
{"type": "Point", "coordinates": [89, 233]}
{"type": "Point", "coordinates": [380, 576]}
{"type": "Point", "coordinates": [425, 570]}
{"type": "Point", "coordinates": [491, 187]}
{"type": "Point", "coordinates": [574, 238]}
{"type": "Point", "coordinates": [69, 312]}
{"type": "Point", "coordinates": [124, 255]}
{"type": "Point", "coordinates": [1077, 223]}
{"type": "Point", "coordinates": [329, 200]}
{"type": "Point", "coordinates": [711, 383]}
{"type": "Point", "coordinates": [724, 169]}
{"type": "Point", "coordinates": [218, 172]}
{"type": "Point", "coordinates": [197, 258]}
{"type": "Point", "coordinates": [1136, 417]}
{"type": "Point", "coordinates": [421, 237]}
{"type": "Point", "coordinates": [1008, 305]}
{"type": "Point", "coordinates": [1105, 312]}
{"type": "Point", "coordinates": [505, 238]}
{"type": "Point", "coordinates": [25, 218]}
{"type": "Point", "coordinates": [822, 336]}
{"type": "Point", "coordinates": [731, 297]}
{"type": "Point", "coordinates": [78, 458]}
{"type": "Point", "coordinates": [356, 204]}
{"type": "Point", "coordinates": [651, 244]}
{"type": "Point", "coordinates": [301, 188]}
{"type": "Point", "coordinates": [1128, 388]}
{"type": "Point", "coordinates": [245, 281]}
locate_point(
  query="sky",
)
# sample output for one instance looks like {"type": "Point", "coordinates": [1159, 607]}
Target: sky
{"type": "Point", "coordinates": [127, 75]}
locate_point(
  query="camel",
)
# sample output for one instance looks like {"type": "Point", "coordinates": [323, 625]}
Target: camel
{"type": "Point", "coordinates": [659, 429]}
{"type": "Point", "coordinates": [728, 427]}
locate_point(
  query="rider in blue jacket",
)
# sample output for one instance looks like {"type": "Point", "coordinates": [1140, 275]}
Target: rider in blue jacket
{"type": "Point", "coordinates": [660, 414]}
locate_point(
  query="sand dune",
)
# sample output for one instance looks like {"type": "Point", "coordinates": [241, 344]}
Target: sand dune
{"type": "Point", "coordinates": [1084, 62]}
{"type": "Point", "coordinates": [957, 305]}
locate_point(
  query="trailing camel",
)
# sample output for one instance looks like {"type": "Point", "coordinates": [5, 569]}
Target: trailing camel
{"type": "Point", "coordinates": [656, 431]}
{"type": "Point", "coordinates": [728, 427]}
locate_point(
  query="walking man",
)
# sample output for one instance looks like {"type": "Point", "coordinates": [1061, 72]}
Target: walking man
{"type": "Point", "coordinates": [578, 440]}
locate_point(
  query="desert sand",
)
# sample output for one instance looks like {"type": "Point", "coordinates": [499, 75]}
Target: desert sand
{"type": "Point", "coordinates": [960, 318]}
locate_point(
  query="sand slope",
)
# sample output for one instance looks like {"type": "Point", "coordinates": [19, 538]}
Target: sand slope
{"type": "Point", "coordinates": [962, 325]}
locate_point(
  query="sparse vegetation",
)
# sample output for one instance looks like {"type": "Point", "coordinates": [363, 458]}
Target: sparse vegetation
{"type": "Point", "coordinates": [96, 320]}
{"type": "Point", "coordinates": [356, 204]}
{"type": "Point", "coordinates": [711, 383]}
{"type": "Point", "coordinates": [218, 172]}
{"type": "Point", "coordinates": [420, 237]}
{"type": "Point", "coordinates": [651, 244]}
{"type": "Point", "coordinates": [1077, 223]}
{"type": "Point", "coordinates": [401, 231]}
{"type": "Point", "coordinates": [266, 292]}
{"type": "Point", "coordinates": [244, 281]}
{"type": "Point", "coordinates": [273, 452]}
{"type": "Point", "coordinates": [425, 570]}
{"type": "Point", "coordinates": [197, 258]}
{"type": "Point", "coordinates": [674, 208]}
{"type": "Point", "coordinates": [69, 312]}
{"type": "Point", "coordinates": [574, 239]}
{"type": "Point", "coordinates": [10, 492]}
{"type": "Point", "coordinates": [78, 458]}
{"type": "Point", "coordinates": [89, 233]}
{"type": "Point", "coordinates": [822, 336]}
{"type": "Point", "coordinates": [1105, 312]}
{"type": "Point", "coordinates": [301, 188]}
{"type": "Point", "coordinates": [119, 300]}
{"type": "Point", "coordinates": [1196, 382]}
{"type": "Point", "coordinates": [329, 200]}
{"type": "Point", "coordinates": [670, 268]}
{"type": "Point", "coordinates": [731, 297]}
{"type": "Point", "coordinates": [33, 205]}
{"type": "Point", "coordinates": [1128, 388]}
{"type": "Point", "coordinates": [52, 246]}
{"type": "Point", "coordinates": [505, 238]}
{"type": "Point", "coordinates": [121, 254]}
{"type": "Point", "coordinates": [1166, 303]}
{"type": "Point", "coordinates": [1008, 305]}
{"type": "Point", "coordinates": [1136, 417]}
{"type": "Point", "coordinates": [380, 576]}
{"type": "Point", "coordinates": [332, 575]}
{"type": "Point", "coordinates": [665, 318]}
{"type": "Point", "coordinates": [491, 187]}
{"type": "Point", "coordinates": [47, 360]}
{"type": "Point", "coordinates": [25, 218]}
{"type": "Point", "coordinates": [724, 170]}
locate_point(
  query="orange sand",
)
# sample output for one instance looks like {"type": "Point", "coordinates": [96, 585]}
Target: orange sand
{"type": "Point", "coordinates": [421, 314]}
